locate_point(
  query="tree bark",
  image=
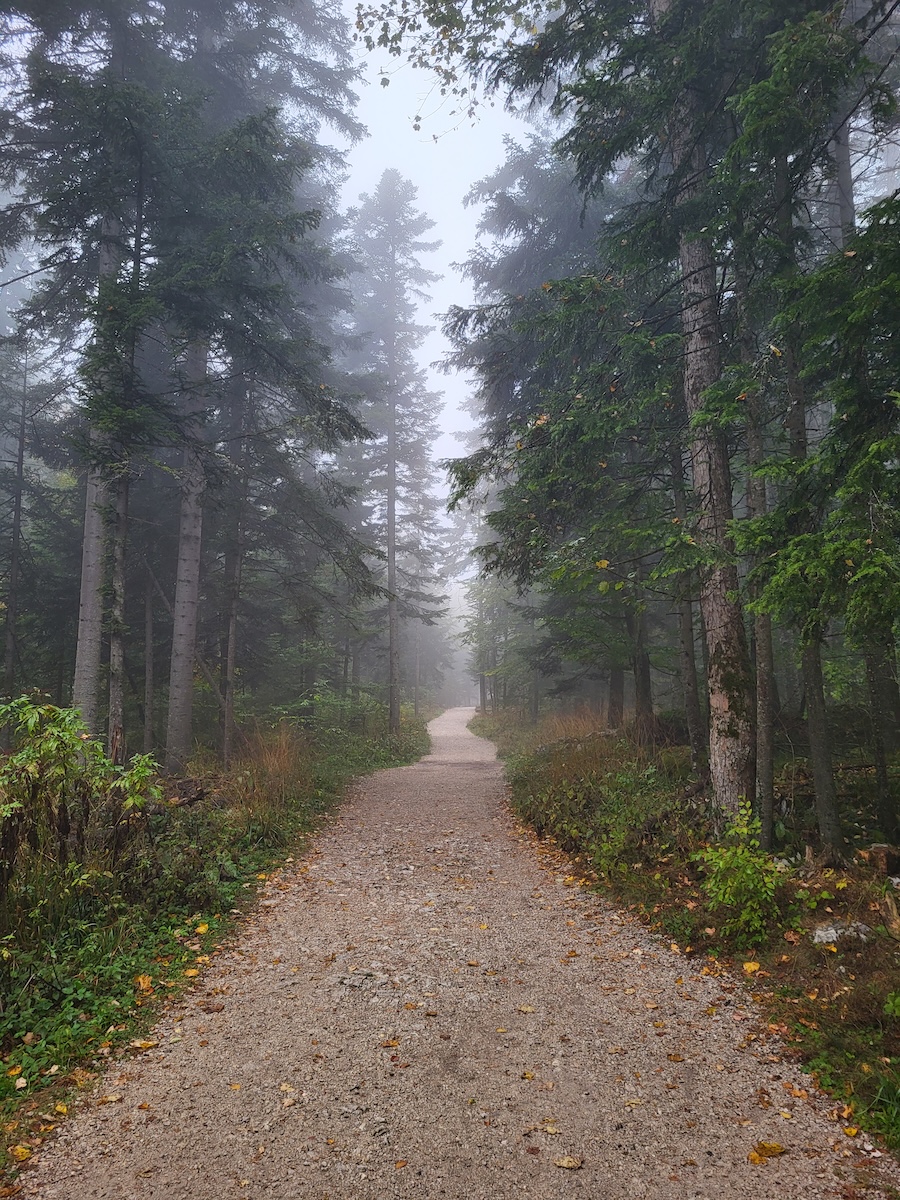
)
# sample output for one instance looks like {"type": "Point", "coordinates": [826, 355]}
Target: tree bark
{"type": "Point", "coordinates": [15, 549]}
{"type": "Point", "coordinates": [731, 709]}
{"type": "Point", "coordinates": [116, 716]}
{"type": "Point", "coordinates": [179, 731]}
{"type": "Point", "coordinates": [149, 682]}
{"type": "Point", "coordinates": [819, 752]}
{"type": "Point", "coordinates": [690, 687]}
{"type": "Point", "coordinates": [393, 609]}
{"type": "Point", "coordinates": [615, 707]}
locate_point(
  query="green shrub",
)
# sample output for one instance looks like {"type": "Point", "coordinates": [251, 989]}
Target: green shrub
{"type": "Point", "coordinates": [741, 881]}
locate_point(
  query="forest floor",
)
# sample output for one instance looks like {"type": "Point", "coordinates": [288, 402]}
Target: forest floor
{"type": "Point", "coordinates": [429, 1005]}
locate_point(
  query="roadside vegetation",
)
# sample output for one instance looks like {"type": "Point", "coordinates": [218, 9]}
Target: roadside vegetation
{"type": "Point", "coordinates": [116, 885]}
{"type": "Point", "coordinates": [644, 835]}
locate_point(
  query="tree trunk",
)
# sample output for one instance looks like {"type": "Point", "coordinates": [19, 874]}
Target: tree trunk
{"type": "Point", "coordinates": [636, 623]}
{"type": "Point", "coordinates": [89, 644]}
{"type": "Point", "coordinates": [179, 732]}
{"type": "Point", "coordinates": [116, 721]}
{"type": "Point", "coordinates": [15, 549]}
{"type": "Point", "coordinates": [393, 610]}
{"type": "Point", "coordinates": [482, 693]}
{"type": "Point", "coordinates": [149, 682]}
{"type": "Point", "coordinates": [820, 754]}
{"type": "Point", "coordinates": [885, 807]}
{"type": "Point", "coordinates": [615, 707]}
{"type": "Point", "coordinates": [729, 678]}
{"type": "Point", "coordinates": [697, 731]}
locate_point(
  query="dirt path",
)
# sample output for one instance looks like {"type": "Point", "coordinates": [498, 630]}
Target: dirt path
{"type": "Point", "coordinates": [425, 1008]}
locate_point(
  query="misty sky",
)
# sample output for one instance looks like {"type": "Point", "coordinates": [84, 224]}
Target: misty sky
{"type": "Point", "coordinates": [443, 160]}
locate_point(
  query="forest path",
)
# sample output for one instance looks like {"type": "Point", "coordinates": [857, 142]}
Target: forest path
{"type": "Point", "coordinates": [425, 1007]}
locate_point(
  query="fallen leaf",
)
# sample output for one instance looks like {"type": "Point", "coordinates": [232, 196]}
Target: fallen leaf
{"type": "Point", "coordinates": [191, 972]}
{"type": "Point", "coordinates": [20, 1153]}
{"type": "Point", "coordinates": [204, 928]}
{"type": "Point", "coordinates": [410, 1005]}
{"type": "Point", "coordinates": [528, 1074]}
{"type": "Point", "coordinates": [108, 1099]}
{"type": "Point", "coordinates": [61, 1108]}
{"type": "Point", "coordinates": [763, 1150]}
{"type": "Point", "coordinates": [568, 1162]}
{"type": "Point", "coordinates": [400, 1163]}
{"type": "Point", "coordinates": [751, 967]}
{"type": "Point", "coordinates": [473, 962]}
{"type": "Point", "coordinates": [676, 1057]}
{"type": "Point", "coordinates": [390, 1044]}
{"type": "Point", "coordinates": [14, 1071]}
{"type": "Point", "coordinates": [525, 1008]}
{"type": "Point", "coordinates": [235, 1087]}
{"type": "Point", "coordinates": [139, 1044]}
{"type": "Point", "coordinates": [143, 983]}
{"type": "Point", "coordinates": [851, 1130]}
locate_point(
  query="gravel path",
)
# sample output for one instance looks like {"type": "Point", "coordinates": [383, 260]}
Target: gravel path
{"type": "Point", "coordinates": [427, 1006]}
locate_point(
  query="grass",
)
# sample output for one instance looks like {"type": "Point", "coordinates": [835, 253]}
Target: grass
{"type": "Point", "coordinates": [90, 951]}
{"type": "Point", "coordinates": [633, 821]}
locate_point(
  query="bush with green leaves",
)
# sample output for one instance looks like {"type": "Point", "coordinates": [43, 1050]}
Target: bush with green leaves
{"type": "Point", "coordinates": [741, 881]}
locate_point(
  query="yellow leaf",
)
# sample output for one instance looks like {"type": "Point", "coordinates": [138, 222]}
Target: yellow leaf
{"type": "Point", "coordinates": [204, 928]}
{"type": "Point", "coordinates": [61, 1108]}
{"type": "Point", "coordinates": [568, 1162]}
{"type": "Point", "coordinates": [235, 1087]}
{"type": "Point", "coordinates": [108, 1099]}
{"type": "Point", "coordinates": [143, 983]}
{"type": "Point", "coordinates": [763, 1150]}
{"type": "Point", "coordinates": [788, 1116]}
{"type": "Point", "coordinates": [528, 1074]}
{"type": "Point", "coordinates": [602, 563]}
{"type": "Point", "coordinates": [482, 926]}
{"type": "Point", "coordinates": [841, 884]}
{"type": "Point", "coordinates": [831, 948]}
{"type": "Point", "coordinates": [20, 1152]}
{"type": "Point", "coordinates": [501, 1029]}
{"type": "Point", "coordinates": [851, 1130]}
{"type": "Point", "coordinates": [191, 972]}
{"type": "Point", "coordinates": [14, 1071]}
{"type": "Point", "coordinates": [751, 967]}
{"type": "Point", "coordinates": [139, 1044]}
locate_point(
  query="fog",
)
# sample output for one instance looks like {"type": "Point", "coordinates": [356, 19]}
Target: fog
{"type": "Point", "coordinates": [443, 159]}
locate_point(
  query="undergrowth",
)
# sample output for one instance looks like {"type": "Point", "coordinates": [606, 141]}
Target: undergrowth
{"type": "Point", "coordinates": [638, 827]}
{"type": "Point", "coordinates": [94, 935]}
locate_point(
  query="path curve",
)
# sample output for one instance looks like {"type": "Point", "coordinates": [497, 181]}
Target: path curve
{"type": "Point", "coordinates": [426, 1007]}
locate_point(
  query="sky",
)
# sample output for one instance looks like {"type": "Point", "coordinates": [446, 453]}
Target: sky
{"type": "Point", "coordinates": [442, 160]}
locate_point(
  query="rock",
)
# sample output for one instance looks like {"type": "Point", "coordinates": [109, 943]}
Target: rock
{"type": "Point", "coordinates": [823, 935]}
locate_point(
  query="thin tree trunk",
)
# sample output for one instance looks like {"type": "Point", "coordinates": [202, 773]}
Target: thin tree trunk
{"type": "Point", "coordinates": [15, 549]}
{"type": "Point", "coordinates": [615, 707]}
{"type": "Point", "coordinates": [89, 644]}
{"type": "Point", "coordinates": [636, 623]}
{"type": "Point", "coordinates": [698, 735]}
{"type": "Point", "coordinates": [819, 753]}
{"type": "Point", "coordinates": [885, 807]}
{"type": "Point", "coordinates": [482, 693]}
{"type": "Point", "coordinates": [179, 733]}
{"type": "Point", "coordinates": [116, 721]}
{"type": "Point", "coordinates": [729, 678]}
{"type": "Point", "coordinates": [234, 592]}
{"type": "Point", "coordinates": [148, 665]}
{"type": "Point", "coordinates": [393, 610]}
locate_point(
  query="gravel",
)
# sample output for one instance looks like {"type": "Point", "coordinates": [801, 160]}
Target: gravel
{"type": "Point", "coordinates": [428, 1005]}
